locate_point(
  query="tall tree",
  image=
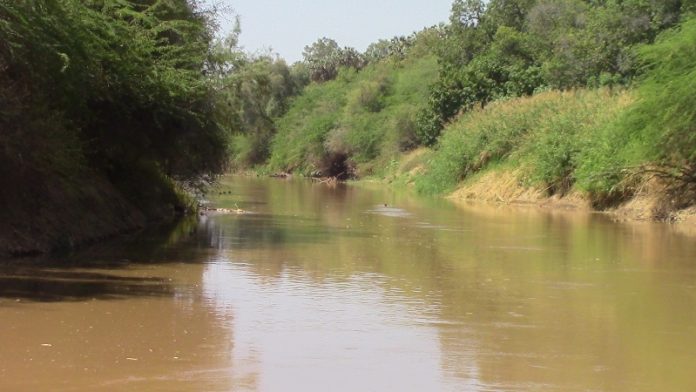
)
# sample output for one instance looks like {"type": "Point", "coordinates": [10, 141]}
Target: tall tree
{"type": "Point", "coordinates": [324, 58]}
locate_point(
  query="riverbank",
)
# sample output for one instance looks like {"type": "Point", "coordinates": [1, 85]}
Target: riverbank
{"type": "Point", "coordinates": [624, 148]}
{"type": "Point", "coordinates": [650, 203]}
{"type": "Point", "coordinates": [506, 185]}
{"type": "Point", "coordinates": [555, 149]}
{"type": "Point", "coordinates": [94, 129]}
{"type": "Point", "coordinates": [44, 212]}
{"type": "Point", "coordinates": [49, 213]}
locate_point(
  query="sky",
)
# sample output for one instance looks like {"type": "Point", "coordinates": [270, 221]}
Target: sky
{"type": "Point", "coordinates": [288, 26]}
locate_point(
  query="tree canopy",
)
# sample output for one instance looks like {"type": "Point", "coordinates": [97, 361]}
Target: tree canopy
{"type": "Point", "coordinates": [509, 48]}
{"type": "Point", "coordinates": [131, 80]}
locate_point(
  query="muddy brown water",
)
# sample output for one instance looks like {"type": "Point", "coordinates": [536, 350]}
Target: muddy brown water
{"type": "Point", "coordinates": [328, 289]}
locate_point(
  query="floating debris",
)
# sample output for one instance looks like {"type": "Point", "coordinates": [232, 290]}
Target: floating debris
{"type": "Point", "coordinates": [235, 210]}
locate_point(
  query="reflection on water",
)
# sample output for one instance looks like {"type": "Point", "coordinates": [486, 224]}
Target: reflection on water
{"type": "Point", "coordinates": [390, 211]}
{"type": "Point", "coordinates": [343, 334]}
{"type": "Point", "coordinates": [358, 288]}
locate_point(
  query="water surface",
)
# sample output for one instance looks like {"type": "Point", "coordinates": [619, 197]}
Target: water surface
{"type": "Point", "coordinates": [358, 288]}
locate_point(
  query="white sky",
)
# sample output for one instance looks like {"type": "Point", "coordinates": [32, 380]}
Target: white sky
{"type": "Point", "coordinates": [288, 26]}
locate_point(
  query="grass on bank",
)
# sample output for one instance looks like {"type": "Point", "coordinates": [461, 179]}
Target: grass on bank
{"type": "Point", "coordinates": [547, 136]}
{"type": "Point", "coordinates": [602, 142]}
{"type": "Point", "coordinates": [357, 123]}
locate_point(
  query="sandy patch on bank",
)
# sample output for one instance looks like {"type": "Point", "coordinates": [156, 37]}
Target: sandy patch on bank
{"type": "Point", "coordinates": [504, 187]}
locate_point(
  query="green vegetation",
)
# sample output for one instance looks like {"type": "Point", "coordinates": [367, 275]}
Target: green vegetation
{"type": "Point", "coordinates": [117, 85]}
{"type": "Point", "coordinates": [357, 123]}
{"type": "Point", "coordinates": [103, 103]}
{"type": "Point", "coordinates": [604, 142]}
{"type": "Point", "coordinates": [122, 99]}
{"type": "Point", "coordinates": [255, 95]}
{"type": "Point", "coordinates": [545, 136]}
{"type": "Point", "coordinates": [502, 48]}
{"type": "Point", "coordinates": [570, 95]}
{"type": "Point", "coordinates": [325, 58]}
{"type": "Point", "coordinates": [656, 135]}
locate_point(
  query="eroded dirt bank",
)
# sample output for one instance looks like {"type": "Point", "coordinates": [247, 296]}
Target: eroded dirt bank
{"type": "Point", "coordinates": [44, 212]}
{"type": "Point", "coordinates": [650, 202]}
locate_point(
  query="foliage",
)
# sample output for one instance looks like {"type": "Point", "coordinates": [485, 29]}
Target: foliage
{"type": "Point", "coordinates": [251, 97]}
{"type": "Point", "coordinates": [349, 125]}
{"type": "Point", "coordinates": [117, 87]}
{"type": "Point", "coordinates": [598, 141]}
{"type": "Point", "coordinates": [324, 58]}
{"type": "Point", "coordinates": [660, 128]}
{"type": "Point", "coordinates": [399, 47]}
{"type": "Point", "coordinates": [668, 93]}
{"type": "Point", "coordinates": [511, 48]}
{"type": "Point", "coordinates": [545, 134]}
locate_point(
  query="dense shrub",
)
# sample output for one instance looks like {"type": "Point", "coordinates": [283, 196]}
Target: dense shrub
{"type": "Point", "coordinates": [503, 48]}
{"type": "Point", "coordinates": [660, 128]}
{"type": "Point", "coordinates": [543, 135]}
{"type": "Point", "coordinates": [124, 82]}
{"type": "Point", "coordinates": [359, 117]}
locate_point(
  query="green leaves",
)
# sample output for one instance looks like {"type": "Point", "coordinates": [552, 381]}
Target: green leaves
{"type": "Point", "coordinates": [510, 48]}
{"type": "Point", "coordinates": [129, 75]}
{"type": "Point", "coordinates": [324, 58]}
{"type": "Point", "coordinates": [545, 137]}
{"type": "Point", "coordinates": [357, 119]}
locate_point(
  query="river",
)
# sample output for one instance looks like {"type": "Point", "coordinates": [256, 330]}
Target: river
{"type": "Point", "coordinates": [358, 288]}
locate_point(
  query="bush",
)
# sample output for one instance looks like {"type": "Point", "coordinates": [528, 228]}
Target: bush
{"type": "Point", "coordinates": [660, 128]}
{"type": "Point", "coordinates": [368, 96]}
{"type": "Point", "coordinates": [128, 79]}
{"type": "Point", "coordinates": [544, 134]}
{"type": "Point", "coordinates": [360, 117]}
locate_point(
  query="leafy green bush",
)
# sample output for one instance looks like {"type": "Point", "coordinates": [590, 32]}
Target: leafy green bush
{"type": "Point", "coordinates": [659, 129]}
{"type": "Point", "coordinates": [359, 117]}
{"type": "Point", "coordinates": [368, 96]}
{"type": "Point", "coordinates": [543, 135]}
{"type": "Point", "coordinates": [501, 48]}
{"type": "Point", "coordinates": [116, 90]}
{"type": "Point", "coordinates": [129, 76]}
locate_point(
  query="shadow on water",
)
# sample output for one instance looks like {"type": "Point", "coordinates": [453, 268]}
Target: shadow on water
{"type": "Point", "coordinates": [51, 285]}
{"type": "Point", "coordinates": [253, 231]}
{"type": "Point", "coordinates": [99, 271]}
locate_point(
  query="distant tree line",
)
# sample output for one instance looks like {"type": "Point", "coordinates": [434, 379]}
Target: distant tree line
{"type": "Point", "coordinates": [508, 48]}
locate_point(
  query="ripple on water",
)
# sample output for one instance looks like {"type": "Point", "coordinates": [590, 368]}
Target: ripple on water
{"type": "Point", "coordinates": [390, 212]}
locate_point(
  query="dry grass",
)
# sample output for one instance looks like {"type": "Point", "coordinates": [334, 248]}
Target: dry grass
{"type": "Point", "coordinates": [504, 186]}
